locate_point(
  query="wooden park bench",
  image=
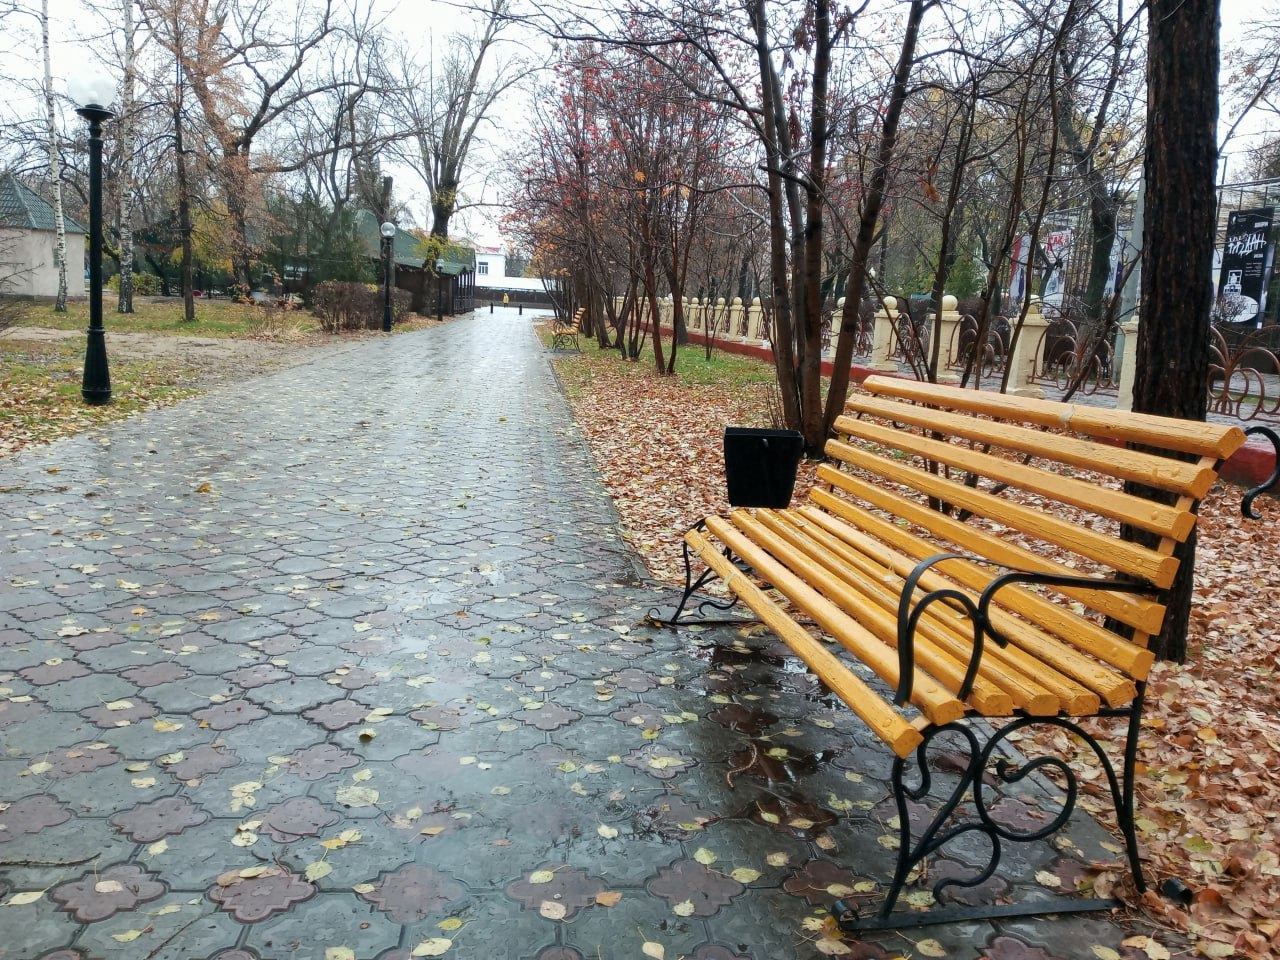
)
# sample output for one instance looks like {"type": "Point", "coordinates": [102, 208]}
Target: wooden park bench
{"type": "Point", "coordinates": [564, 332]}
{"type": "Point", "coordinates": [965, 548]}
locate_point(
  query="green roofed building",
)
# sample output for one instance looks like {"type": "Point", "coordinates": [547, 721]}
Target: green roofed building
{"type": "Point", "coordinates": [28, 244]}
{"type": "Point", "coordinates": [456, 268]}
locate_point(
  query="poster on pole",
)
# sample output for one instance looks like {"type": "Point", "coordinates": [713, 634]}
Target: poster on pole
{"type": "Point", "coordinates": [1246, 266]}
{"type": "Point", "coordinates": [1057, 248]}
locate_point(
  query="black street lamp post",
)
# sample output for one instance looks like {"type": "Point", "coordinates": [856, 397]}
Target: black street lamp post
{"type": "Point", "coordinates": [91, 93]}
{"type": "Point", "coordinates": [440, 290]}
{"type": "Point", "coordinates": [388, 231]}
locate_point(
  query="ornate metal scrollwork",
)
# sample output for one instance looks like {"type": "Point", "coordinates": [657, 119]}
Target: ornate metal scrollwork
{"type": "Point", "coordinates": [950, 822]}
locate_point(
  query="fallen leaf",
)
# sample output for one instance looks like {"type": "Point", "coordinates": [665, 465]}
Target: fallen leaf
{"type": "Point", "coordinates": [128, 936]}
{"type": "Point", "coordinates": [318, 870]}
{"type": "Point", "coordinates": [553, 910]}
{"type": "Point", "coordinates": [434, 947]}
{"type": "Point", "coordinates": [705, 856]}
{"type": "Point", "coordinates": [683, 909]}
{"type": "Point", "coordinates": [608, 898]}
{"type": "Point", "coordinates": [655, 950]}
{"type": "Point", "coordinates": [24, 898]}
{"type": "Point", "coordinates": [931, 948]}
{"type": "Point", "coordinates": [609, 833]}
{"type": "Point", "coordinates": [541, 876]}
{"type": "Point", "coordinates": [745, 875]}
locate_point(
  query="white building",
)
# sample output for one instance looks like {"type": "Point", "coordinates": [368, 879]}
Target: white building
{"type": "Point", "coordinates": [28, 244]}
{"type": "Point", "coordinates": [491, 278]}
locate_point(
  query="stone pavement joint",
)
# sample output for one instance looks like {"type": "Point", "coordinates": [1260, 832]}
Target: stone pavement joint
{"type": "Point", "coordinates": [351, 658]}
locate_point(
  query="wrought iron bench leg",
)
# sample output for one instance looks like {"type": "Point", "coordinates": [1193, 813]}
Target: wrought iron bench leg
{"type": "Point", "coordinates": [945, 826]}
{"type": "Point", "coordinates": [692, 585]}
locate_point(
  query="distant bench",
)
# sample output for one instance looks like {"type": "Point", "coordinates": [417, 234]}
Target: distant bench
{"type": "Point", "coordinates": [967, 550]}
{"type": "Point", "coordinates": [564, 332]}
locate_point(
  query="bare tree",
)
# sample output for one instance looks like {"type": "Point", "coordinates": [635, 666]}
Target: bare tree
{"type": "Point", "coordinates": [444, 103]}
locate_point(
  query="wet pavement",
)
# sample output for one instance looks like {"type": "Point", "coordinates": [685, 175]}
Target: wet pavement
{"type": "Point", "coordinates": [349, 661]}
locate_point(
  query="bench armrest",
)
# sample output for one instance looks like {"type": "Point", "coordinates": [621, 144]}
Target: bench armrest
{"type": "Point", "coordinates": [979, 611]}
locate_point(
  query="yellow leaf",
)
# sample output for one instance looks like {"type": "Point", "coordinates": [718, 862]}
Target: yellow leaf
{"type": "Point", "coordinates": [1148, 945]}
{"type": "Point", "coordinates": [157, 848]}
{"type": "Point", "coordinates": [541, 876]}
{"type": "Point", "coordinates": [1047, 879]}
{"type": "Point", "coordinates": [349, 836]}
{"type": "Point", "coordinates": [777, 859]}
{"type": "Point", "coordinates": [166, 910]}
{"type": "Point", "coordinates": [22, 899]}
{"type": "Point", "coordinates": [655, 950]}
{"type": "Point", "coordinates": [931, 948]}
{"type": "Point", "coordinates": [39, 767]}
{"type": "Point", "coordinates": [705, 856]}
{"type": "Point", "coordinates": [339, 953]}
{"type": "Point", "coordinates": [683, 909]}
{"type": "Point", "coordinates": [142, 783]}
{"type": "Point", "coordinates": [453, 923]}
{"type": "Point", "coordinates": [553, 910]}
{"type": "Point", "coordinates": [840, 890]}
{"type": "Point", "coordinates": [432, 831]}
{"type": "Point", "coordinates": [608, 833]}
{"type": "Point", "coordinates": [166, 726]}
{"type": "Point", "coordinates": [435, 947]}
{"type": "Point", "coordinates": [318, 870]}
{"type": "Point", "coordinates": [1104, 953]}
{"type": "Point", "coordinates": [356, 796]}
{"type": "Point", "coordinates": [360, 776]}
{"type": "Point", "coordinates": [745, 875]}
{"type": "Point", "coordinates": [364, 888]}
{"type": "Point", "coordinates": [128, 936]}
{"type": "Point", "coordinates": [608, 898]}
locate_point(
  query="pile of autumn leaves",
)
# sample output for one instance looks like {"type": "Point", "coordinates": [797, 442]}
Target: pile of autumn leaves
{"type": "Point", "coordinates": [1209, 787]}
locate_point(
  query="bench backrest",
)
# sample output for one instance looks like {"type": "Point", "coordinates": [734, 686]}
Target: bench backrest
{"type": "Point", "coordinates": [1027, 483]}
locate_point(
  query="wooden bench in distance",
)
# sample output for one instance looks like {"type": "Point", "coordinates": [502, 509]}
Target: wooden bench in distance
{"type": "Point", "coordinates": [965, 547]}
{"type": "Point", "coordinates": [565, 332]}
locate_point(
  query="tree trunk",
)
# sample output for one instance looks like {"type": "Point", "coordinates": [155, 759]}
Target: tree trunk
{"type": "Point", "coordinates": [869, 214]}
{"type": "Point", "coordinates": [184, 211]}
{"type": "Point", "coordinates": [1177, 251]}
{"type": "Point", "coordinates": [125, 126]}
{"type": "Point", "coordinates": [55, 177]}
{"type": "Point", "coordinates": [443, 202]}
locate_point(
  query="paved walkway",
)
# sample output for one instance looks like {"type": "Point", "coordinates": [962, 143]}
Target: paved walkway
{"type": "Point", "coordinates": [348, 661]}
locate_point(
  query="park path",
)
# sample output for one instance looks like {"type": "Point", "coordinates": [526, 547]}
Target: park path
{"type": "Point", "coordinates": [349, 659]}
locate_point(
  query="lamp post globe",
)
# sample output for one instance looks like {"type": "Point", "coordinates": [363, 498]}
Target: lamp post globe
{"type": "Point", "coordinates": [440, 289]}
{"type": "Point", "coordinates": [93, 91]}
{"type": "Point", "coordinates": [388, 231]}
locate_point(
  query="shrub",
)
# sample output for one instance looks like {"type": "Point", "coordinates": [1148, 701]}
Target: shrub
{"type": "Point", "coordinates": [342, 306]}
{"type": "Point", "coordinates": [144, 284]}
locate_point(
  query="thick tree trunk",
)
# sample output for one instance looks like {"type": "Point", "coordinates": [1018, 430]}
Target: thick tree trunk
{"type": "Point", "coordinates": [1177, 253]}
{"type": "Point", "coordinates": [443, 202]}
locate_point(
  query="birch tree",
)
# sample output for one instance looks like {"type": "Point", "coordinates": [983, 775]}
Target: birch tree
{"type": "Point", "coordinates": [55, 173]}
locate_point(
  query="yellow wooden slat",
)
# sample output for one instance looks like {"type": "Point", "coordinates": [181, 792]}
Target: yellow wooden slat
{"type": "Point", "coordinates": [1157, 518]}
{"type": "Point", "coordinates": [1165, 433]}
{"type": "Point", "coordinates": [1022, 674]}
{"type": "Point", "coordinates": [932, 698]}
{"type": "Point", "coordinates": [901, 737]}
{"type": "Point", "coordinates": [1138, 612]}
{"type": "Point", "coordinates": [1163, 473]}
{"type": "Point", "coordinates": [1070, 651]}
{"type": "Point", "coordinates": [1129, 558]}
{"type": "Point", "coordinates": [937, 651]}
{"type": "Point", "coordinates": [1015, 678]}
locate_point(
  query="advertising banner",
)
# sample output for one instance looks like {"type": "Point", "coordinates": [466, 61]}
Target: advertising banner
{"type": "Point", "coordinates": [1246, 266]}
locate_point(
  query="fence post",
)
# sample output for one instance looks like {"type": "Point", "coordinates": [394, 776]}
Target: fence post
{"type": "Point", "coordinates": [755, 321]}
{"type": "Point", "coordinates": [882, 337]}
{"type": "Point", "coordinates": [948, 330]}
{"type": "Point", "coordinates": [1022, 359]}
{"type": "Point", "coordinates": [1128, 363]}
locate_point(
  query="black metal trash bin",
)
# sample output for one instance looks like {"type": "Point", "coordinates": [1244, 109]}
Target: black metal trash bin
{"type": "Point", "coordinates": [760, 465]}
